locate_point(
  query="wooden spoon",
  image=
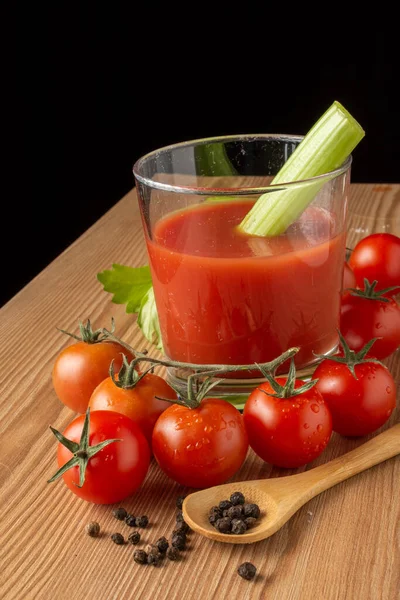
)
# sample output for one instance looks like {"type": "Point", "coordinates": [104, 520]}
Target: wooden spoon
{"type": "Point", "coordinates": [279, 498]}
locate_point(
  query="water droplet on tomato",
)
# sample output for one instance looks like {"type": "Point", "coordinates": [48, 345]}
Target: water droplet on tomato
{"type": "Point", "coordinates": [232, 424]}
{"type": "Point", "coordinates": [190, 447]}
{"type": "Point", "coordinates": [315, 408]}
{"type": "Point", "coordinates": [205, 440]}
{"type": "Point", "coordinates": [208, 429]}
{"type": "Point", "coordinates": [389, 412]}
{"type": "Point", "coordinates": [378, 325]}
{"type": "Point", "coordinates": [295, 405]}
{"type": "Point", "coordinates": [388, 390]}
{"type": "Point", "coordinates": [306, 426]}
{"type": "Point", "coordinates": [199, 445]}
{"type": "Point", "coordinates": [319, 428]}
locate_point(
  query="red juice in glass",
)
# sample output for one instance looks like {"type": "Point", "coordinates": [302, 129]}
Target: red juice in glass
{"type": "Point", "coordinates": [228, 298]}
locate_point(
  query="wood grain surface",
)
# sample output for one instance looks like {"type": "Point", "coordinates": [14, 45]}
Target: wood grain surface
{"type": "Point", "coordinates": [342, 545]}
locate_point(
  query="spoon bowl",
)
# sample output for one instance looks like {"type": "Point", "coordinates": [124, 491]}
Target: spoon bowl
{"type": "Point", "coordinates": [279, 498]}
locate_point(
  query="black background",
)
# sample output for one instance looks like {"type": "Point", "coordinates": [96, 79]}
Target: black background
{"type": "Point", "coordinates": [89, 90]}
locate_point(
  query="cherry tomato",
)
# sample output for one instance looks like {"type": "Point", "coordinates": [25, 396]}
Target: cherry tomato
{"type": "Point", "coordinates": [80, 368]}
{"type": "Point", "coordinates": [138, 403]}
{"type": "Point", "coordinates": [363, 319]}
{"type": "Point", "coordinates": [200, 447]}
{"type": "Point", "coordinates": [377, 257]}
{"type": "Point", "coordinates": [359, 405]}
{"type": "Point", "coordinates": [287, 432]}
{"type": "Point", "coordinates": [117, 470]}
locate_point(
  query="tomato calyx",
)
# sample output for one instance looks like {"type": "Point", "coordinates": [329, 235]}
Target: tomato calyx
{"type": "Point", "coordinates": [195, 393]}
{"type": "Point", "coordinates": [352, 358]}
{"type": "Point", "coordinates": [370, 293]}
{"type": "Point", "coordinates": [128, 375]}
{"type": "Point", "coordinates": [82, 452]}
{"type": "Point", "coordinates": [287, 390]}
{"type": "Point", "coordinates": [87, 334]}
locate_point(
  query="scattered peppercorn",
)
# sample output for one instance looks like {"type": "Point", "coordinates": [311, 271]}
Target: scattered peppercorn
{"type": "Point", "coordinates": [179, 501]}
{"type": "Point", "coordinates": [237, 498]}
{"type": "Point", "coordinates": [251, 510]}
{"type": "Point", "coordinates": [178, 541]}
{"type": "Point", "coordinates": [153, 558]}
{"type": "Point", "coordinates": [140, 556]}
{"type": "Point", "coordinates": [117, 538]}
{"type": "Point", "coordinates": [151, 548]}
{"type": "Point", "coordinates": [225, 504]}
{"type": "Point", "coordinates": [143, 521]}
{"type": "Point", "coordinates": [120, 513]}
{"type": "Point", "coordinates": [92, 529]}
{"type": "Point", "coordinates": [179, 516]}
{"type": "Point", "coordinates": [134, 538]}
{"type": "Point", "coordinates": [235, 512]}
{"type": "Point", "coordinates": [247, 571]}
{"type": "Point", "coordinates": [181, 527]}
{"type": "Point", "coordinates": [130, 520]}
{"type": "Point", "coordinates": [238, 526]}
{"type": "Point", "coordinates": [172, 553]}
{"type": "Point", "coordinates": [250, 522]}
{"type": "Point", "coordinates": [162, 544]}
{"type": "Point", "coordinates": [223, 525]}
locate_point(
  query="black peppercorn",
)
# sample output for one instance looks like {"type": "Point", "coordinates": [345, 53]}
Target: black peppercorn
{"type": "Point", "coordinates": [251, 510]}
{"type": "Point", "coordinates": [172, 553]}
{"type": "Point", "coordinates": [130, 520]}
{"type": "Point", "coordinates": [250, 522]}
{"type": "Point", "coordinates": [181, 527]}
{"type": "Point", "coordinates": [178, 541]}
{"type": "Point", "coordinates": [92, 529]}
{"type": "Point", "coordinates": [237, 498]}
{"type": "Point", "coordinates": [179, 516]}
{"type": "Point", "coordinates": [162, 544]}
{"type": "Point", "coordinates": [140, 556]}
{"type": "Point", "coordinates": [142, 521]}
{"type": "Point", "coordinates": [238, 526]}
{"type": "Point", "coordinates": [225, 504]}
{"type": "Point", "coordinates": [151, 548]}
{"type": "Point", "coordinates": [247, 571]}
{"type": "Point", "coordinates": [120, 514]}
{"type": "Point", "coordinates": [223, 525]}
{"type": "Point", "coordinates": [235, 512]}
{"type": "Point", "coordinates": [214, 514]}
{"type": "Point", "coordinates": [134, 538]}
{"type": "Point", "coordinates": [153, 558]}
{"type": "Point", "coordinates": [117, 538]}
{"type": "Point", "coordinates": [179, 501]}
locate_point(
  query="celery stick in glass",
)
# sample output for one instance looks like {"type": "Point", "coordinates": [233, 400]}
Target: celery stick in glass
{"type": "Point", "coordinates": [325, 147]}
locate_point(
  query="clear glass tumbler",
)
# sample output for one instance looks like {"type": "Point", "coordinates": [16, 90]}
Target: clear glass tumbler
{"type": "Point", "coordinates": [224, 297]}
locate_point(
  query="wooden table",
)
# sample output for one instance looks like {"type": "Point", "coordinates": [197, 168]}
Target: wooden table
{"type": "Point", "coordinates": [344, 544]}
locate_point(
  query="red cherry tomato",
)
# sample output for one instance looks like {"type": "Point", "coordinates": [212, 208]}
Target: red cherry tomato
{"type": "Point", "coordinates": [200, 447]}
{"type": "Point", "coordinates": [363, 319]}
{"type": "Point", "coordinates": [139, 403]}
{"type": "Point", "coordinates": [80, 368]}
{"type": "Point", "coordinates": [359, 405]}
{"type": "Point", "coordinates": [117, 470]}
{"type": "Point", "coordinates": [287, 432]}
{"type": "Point", "coordinates": [377, 257]}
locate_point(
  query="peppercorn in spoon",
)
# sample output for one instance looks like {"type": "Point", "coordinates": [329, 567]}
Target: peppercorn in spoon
{"type": "Point", "coordinates": [279, 498]}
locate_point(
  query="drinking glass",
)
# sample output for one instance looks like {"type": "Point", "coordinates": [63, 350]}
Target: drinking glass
{"type": "Point", "coordinates": [227, 298]}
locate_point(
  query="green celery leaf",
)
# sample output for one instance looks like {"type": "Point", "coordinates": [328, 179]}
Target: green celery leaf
{"type": "Point", "coordinates": [148, 319]}
{"type": "Point", "coordinates": [128, 284]}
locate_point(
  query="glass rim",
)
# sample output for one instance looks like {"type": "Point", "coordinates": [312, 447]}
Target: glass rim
{"type": "Point", "coordinates": [219, 191]}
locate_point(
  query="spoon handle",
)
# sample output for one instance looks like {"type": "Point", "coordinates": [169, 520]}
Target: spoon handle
{"type": "Point", "coordinates": [380, 448]}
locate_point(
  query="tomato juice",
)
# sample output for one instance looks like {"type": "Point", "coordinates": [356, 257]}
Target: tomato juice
{"type": "Point", "coordinates": [229, 298]}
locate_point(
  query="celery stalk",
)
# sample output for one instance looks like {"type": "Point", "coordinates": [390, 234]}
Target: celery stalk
{"type": "Point", "coordinates": [325, 147]}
